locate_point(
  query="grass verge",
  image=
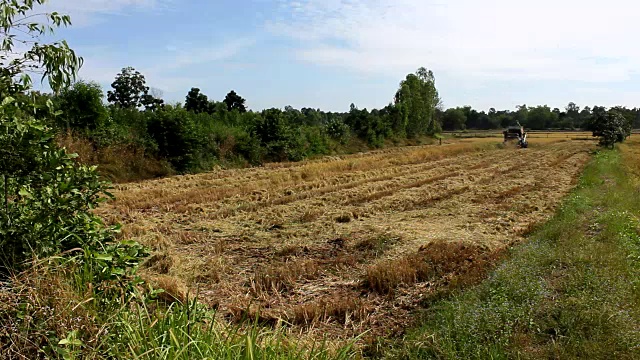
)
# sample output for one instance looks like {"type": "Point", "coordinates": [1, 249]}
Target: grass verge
{"type": "Point", "coordinates": [571, 291]}
{"type": "Point", "coordinates": [53, 311]}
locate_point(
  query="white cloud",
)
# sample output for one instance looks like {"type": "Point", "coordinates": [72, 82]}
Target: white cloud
{"type": "Point", "coordinates": [88, 12]}
{"type": "Point", "coordinates": [183, 56]}
{"type": "Point", "coordinates": [583, 40]}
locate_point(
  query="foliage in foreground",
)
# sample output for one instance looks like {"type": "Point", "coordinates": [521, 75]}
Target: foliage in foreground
{"type": "Point", "coordinates": [55, 312]}
{"type": "Point", "coordinates": [570, 292]}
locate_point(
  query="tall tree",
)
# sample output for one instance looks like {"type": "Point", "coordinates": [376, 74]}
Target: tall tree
{"type": "Point", "coordinates": [196, 101]}
{"type": "Point", "coordinates": [128, 88]}
{"type": "Point", "coordinates": [235, 102]}
{"type": "Point", "coordinates": [418, 99]}
{"type": "Point", "coordinates": [130, 91]}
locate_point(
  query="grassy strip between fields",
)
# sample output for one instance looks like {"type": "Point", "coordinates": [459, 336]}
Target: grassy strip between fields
{"type": "Point", "coordinates": [571, 291]}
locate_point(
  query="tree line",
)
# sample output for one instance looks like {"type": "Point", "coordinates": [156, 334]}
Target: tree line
{"type": "Point", "coordinates": [572, 117]}
{"type": "Point", "coordinates": [200, 132]}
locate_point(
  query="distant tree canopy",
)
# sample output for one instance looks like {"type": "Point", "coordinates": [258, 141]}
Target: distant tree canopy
{"type": "Point", "coordinates": [535, 118]}
{"type": "Point", "coordinates": [235, 102]}
{"type": "Point", "coordinates": [130, 91]}
{"type": "Point", "coordinates": [454, 119]}
{"type": "Point", "coordinates": [203, 131]}
{"type": "Point", "coordinates": [197, 102]}
{"type": "Point", "coordinates": [610, 126]}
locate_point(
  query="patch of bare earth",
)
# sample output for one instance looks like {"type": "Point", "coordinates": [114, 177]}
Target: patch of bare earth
{"type": "Point", "coordinates": [345, 245]}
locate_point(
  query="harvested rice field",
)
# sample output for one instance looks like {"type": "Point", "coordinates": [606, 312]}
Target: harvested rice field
{"type": "Point", "coordinates": [343, 245]}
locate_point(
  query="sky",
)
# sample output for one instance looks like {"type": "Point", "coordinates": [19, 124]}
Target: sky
{"type": "Point", "coordinates": [328, 54]}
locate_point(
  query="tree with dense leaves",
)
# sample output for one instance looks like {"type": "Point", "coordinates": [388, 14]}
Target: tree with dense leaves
{"type": "Point", "coordinates": [541, 117]}
{"type": "Point", "coordinates": [82, 106]}
{"type": "Point", "coordinates": [274, 133]}
{"type": "Point", "coordinates": [235, 102]}
{"type": "Point", "coordinates": [196, 101]}
{"type": "Point", "coordinates": [130, 91]}
{"type": "Point", "coordinates": [453, 119]}
{"type": "Point", "coordinates": [418, 98]}
{"type": "Point", "coordinates": [610, 126]}
{"type": "Point", "coordinates": [128, 88]}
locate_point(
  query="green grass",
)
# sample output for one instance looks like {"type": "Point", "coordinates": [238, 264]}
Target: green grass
{"type": "Point", "coordinates": [54, 312]}
{"type": "Point", "coordinates": [571, 291]}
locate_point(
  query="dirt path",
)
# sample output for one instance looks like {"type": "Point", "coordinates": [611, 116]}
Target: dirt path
{"type": "Point", "coordinates": [307, 243]}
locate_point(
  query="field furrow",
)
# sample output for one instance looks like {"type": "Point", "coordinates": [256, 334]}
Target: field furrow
{"type": "Point", "coordinates": [338, 245]}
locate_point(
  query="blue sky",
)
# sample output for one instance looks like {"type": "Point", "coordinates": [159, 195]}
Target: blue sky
{"type": "Point", "coordinates": [329, 53]}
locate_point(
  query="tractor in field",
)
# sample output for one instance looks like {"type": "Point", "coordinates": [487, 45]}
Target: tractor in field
{"type": "Point", "coordinates": [516, 133]}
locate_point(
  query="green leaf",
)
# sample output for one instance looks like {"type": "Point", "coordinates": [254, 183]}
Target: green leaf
{"type": "Point", "coordinates": [72, 342]}
{"type": "Point", "coordinates": [25, 193]}
{"type": "Point", "coordinates": [105, 257]}
{"type": "Point", "coordinates": [8, 100]}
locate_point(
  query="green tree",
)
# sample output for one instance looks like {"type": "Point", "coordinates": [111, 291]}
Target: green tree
{"type": "Point", "coordinates": [417, 98]}
{"type": "Point", "coordinates": [610, 126]}
{"type": "Point", "coordinates": [453, 119]}
{"type": "Point", "coordinates": [276, 136]}
{"type": "Point", "coordinates": [541, 117]}
{"type": "Point", "coordinates": [196, 101]}
{"type": "Point", "coordinates": [130, 91]}
{"type": "Point", "coordinates": [338, 130]}
{"type": "Point", "coordinates": [82, 106]}
{"type": "Point", "coordinates": [235, 102]}
{"type": "Point", "coordinates": [177, 136]}
{"type": "Point", "coordinates": [521, 116]}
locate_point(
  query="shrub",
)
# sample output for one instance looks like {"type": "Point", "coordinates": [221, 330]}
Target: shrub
{"type": "Point", "coordinates": [610, 126]}
{"type": "Point", "coordinates": [46, 197]}
{"type": "Point", "coordinates": [177, 137]}
{"type": "Point", "coordinates": [338, 131]}
{"type": "Point", "coordinates": [82, 107]}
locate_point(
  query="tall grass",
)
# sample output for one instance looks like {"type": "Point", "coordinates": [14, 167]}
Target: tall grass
{"type": "Point", "coordinates": [54, 311]}
{"type": "Point", "coordinates": [570, 292]}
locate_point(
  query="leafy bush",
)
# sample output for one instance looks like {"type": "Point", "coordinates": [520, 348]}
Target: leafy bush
{"type": "Point", "coordinates": [177, 137]}
{"type": "Point", "coordinates": [46, 197]}
{"type": "Point", "coordinates": [338, 130]}
{"type": "Point", "coordinates": [82, 107]}
{"type": "Point", "coordinates": [610, 126]}
{"type": "Point", "coordinates": [317, 140]}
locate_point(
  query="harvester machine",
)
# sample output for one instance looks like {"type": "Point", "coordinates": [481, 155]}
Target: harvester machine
{"type": "Point", "coordinates": [516, 133]}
